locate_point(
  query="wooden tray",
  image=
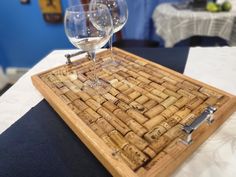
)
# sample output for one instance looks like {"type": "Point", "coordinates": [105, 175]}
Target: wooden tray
{"type": "Point", "coordinates": [136, 129]}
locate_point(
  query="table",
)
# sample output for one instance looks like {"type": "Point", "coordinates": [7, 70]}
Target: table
{"type": "Point", "coordinates": [215, 66]}
{"type": "Point", "coordinates": [174, 25]}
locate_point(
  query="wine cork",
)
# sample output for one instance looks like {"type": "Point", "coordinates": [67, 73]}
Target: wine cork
{"type": "Point", "coordinates": [75, 89]}
{"type": "Point", "coordinates": [117, 76]}
{"type": "Point", "coordinates": [113, 81]}
{"type": "Point", "coordinates": [71, 95]}
{"type": "Point", "coordinates": [169, 111]}
{"type": "Point", "coordinates": [184, 87]}
{"type": "Point", "coordinates": [123, 74]}
{"type": "Point", "coordinates": [157, 86]}
{"type": "Point", "coordinates": [110, 97]}
{"type": "Point", "coordinates": [134, 95]}
{"type": "Point", "coordinates": [136, 127]}
{"type": "Point", "coordinates": [169, 101]}
{"type": "Point", "coordinates": [183, 112]}
{"type": "Point", "coordinates": [144, 79]}
{"type": "Point", "coordinates": [199, 94]}
{"type": "Point", "coordinates": [191, 85]}
{"type": "Point", "coordinates": [165, 125]}
{"type": "Point", "coordinates": [186, 94]}
{"type": "Point", "coordinates": [156, 98]}
{"type": "Point", "coordinates": [99, 99]}
{"type": "Point", "coordinates": [82, 77]}
{"type": "Point", "coordinates": [64, 89]}
{"type": "Point", "coordinates": [132, 81]}
{"type": "Point", "coordinates": [87, 118]}
{"type": "Point", "coordinates": [140, 89]}
{"type": "Point", "coordinates": [119, 140]}
{"type": "Point", "coordinates": [119, 125]}
{"type": "Point", "coordinates": [153, 122]}
{"type": "Point", "coordinates": [84, 96]}
{"type": "Point", "coordinates": [149, 152]}
{"type": "Point", "coordinates": [110, 106]}
{"type": "Point", "coordinates": [160, 143]}
{"type": "Point", "coordinates": [142, 99]}
{"type": "Point", "coordinates": [110, 143]}
{"type": "Point", "coordinates": [175, 148]}
{"type": "Point", "coordinates": [65, 99]}
{"type": "Point", "coordinates": [143, 74]}
{"type": "Point", "coordinates": [122, 115]}
{"type": "Point", "coordinates": [113, 91]}
{"type": "Point", "coordinates": [169, 80]}
{"type": "Point", "coordinates": [174, 131]}
{"type": "Point", "coordinates": [141, 171]}
{"type": "Point", "coordinates": [209, 92]}
{"type": "Point", "coordinates": [69, 84]}
{"type": "Point", "coordinates": [145, 86]}
{"type": "Point", "coordinates": [78, 83]}
{"type": "Point", "coordinates": [58, 84]}
{"type": "Point", "coordinates": [194, 103]}
{"type": "Point", "coordinates": [174, 120]}
{"type": "Point", "coordinates": [188, 119]}
{"type": "Point", "coordinates": [74, 109]}
{"type": "Point", "coordinates": [105, 113]}
{"type": "Point", "coordinates": [157, 79]}
{"type": "Point", "coordinates": [155, 133]}
{"type": "Point", "coordinates": [104, 125]}
{"type": "Point", "coordinates": [117, 84]}
{"type": "Point", "coordinates": [122, 105]}
{"type": "Point", "coordinates": [80, 104]}
{"type": "Point", "coordinates": [211, 101]}
{"type": "Point", "coordinates": [132, 73]}
{"type": "Point", "coordinates": [136, 140]}
{"type": "Point", "coordinates": [123, 88]}
{"type": "Point", "coordinates": [171, 93]}
{"type": "Point", "coordinates": [97, 130]}
{"type": "Point", "coordinates": [57, 91]}
{"type": "Point", "coordinates": [181, 102]}
{"type": "Point", "coordinates": [197, 111]}
{"type": "Point", "coordinates": [128, 91]}
{"type": "Point", "coordinates": [159, 93]}
{"type": "Point", "coordinates": [138, 107]}
{"type": "Point", "coordinates": [150, 104]}
{"type": "Point", "coordinates": [135, 155]}
{"type": "Point", "coordinates": [92, 113]}
{"type": "Point", "coordinates": [154, 111]}
{"type": "Point", "coordinates": [124, 98]}
{"type": "Point", "coordinates": [93, 104]}
{"type": "Point", "coordinates": [170, 86]}
{"type": "Point", "coordinates": [137, 116]}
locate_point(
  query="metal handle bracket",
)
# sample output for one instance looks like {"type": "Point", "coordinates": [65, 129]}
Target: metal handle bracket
{"type": "Point", "coordinates": [206, 116]}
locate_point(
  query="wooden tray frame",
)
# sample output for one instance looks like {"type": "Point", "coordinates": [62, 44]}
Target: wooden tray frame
{"type": "Point", "coordinates": [104, 153]}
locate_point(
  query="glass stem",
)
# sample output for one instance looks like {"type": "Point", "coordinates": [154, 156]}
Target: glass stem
{"type": "Point", "coordinates": [110, 45]}
{"type": "Point", "coordinates": [93, 57]}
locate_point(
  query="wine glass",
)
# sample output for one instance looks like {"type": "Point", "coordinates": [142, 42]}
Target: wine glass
{"type": "Point", "coordinates": [119, 14]}
{"type": "Point", "coordinates": [89, 28]}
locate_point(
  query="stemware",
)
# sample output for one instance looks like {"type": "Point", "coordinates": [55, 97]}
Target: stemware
{"type": "Point", "coordinates": [119, 14]}
{"type": "Point", "coordinates": [89, 28]}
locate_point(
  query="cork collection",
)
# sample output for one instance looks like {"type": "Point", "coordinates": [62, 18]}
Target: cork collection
{"type": "Point", "coordinates": [140, 121]}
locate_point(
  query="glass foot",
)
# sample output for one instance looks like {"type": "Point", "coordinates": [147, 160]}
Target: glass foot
{"type": "Point", "coordinates": [99, 85]}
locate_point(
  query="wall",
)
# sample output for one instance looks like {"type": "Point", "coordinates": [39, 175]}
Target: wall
{"type": "Point", "coordinates": [25, 37]}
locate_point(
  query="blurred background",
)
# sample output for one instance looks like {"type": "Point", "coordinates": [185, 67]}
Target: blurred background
{"type": "Point", "coordinates": [25, 36]}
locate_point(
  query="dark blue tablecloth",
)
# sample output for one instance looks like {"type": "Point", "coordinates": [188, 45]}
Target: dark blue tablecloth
{"type": "Point", "coordinates": [40, 144]}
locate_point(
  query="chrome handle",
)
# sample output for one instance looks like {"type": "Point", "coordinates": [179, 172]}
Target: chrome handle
{"type": "Point", "coordinates": [206, 116]}
{"type": "Point", "coordinates": [69, 56]}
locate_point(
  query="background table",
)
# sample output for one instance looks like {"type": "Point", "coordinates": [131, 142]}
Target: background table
{"type": "Point", "coordinates": [216, 157]}
{"type": "Point", "coordinates": [174, 25]}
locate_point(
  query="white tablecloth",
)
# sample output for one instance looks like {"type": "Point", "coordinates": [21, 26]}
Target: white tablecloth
{"type": "Point", "coordinates": [174, 25]}
{"type": "Point", "coordinates": [215, 66]}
